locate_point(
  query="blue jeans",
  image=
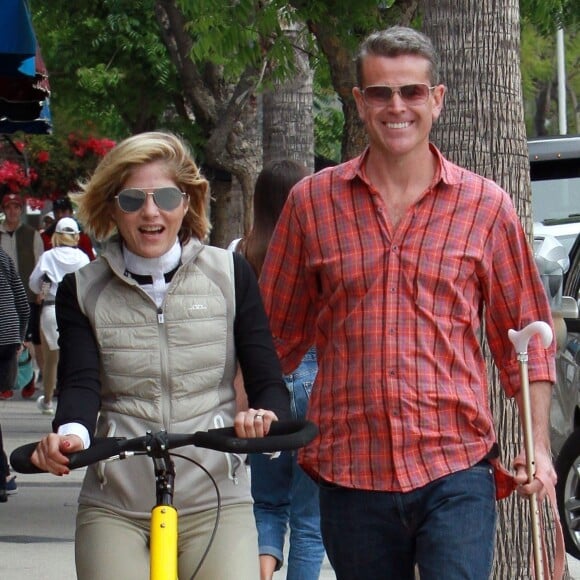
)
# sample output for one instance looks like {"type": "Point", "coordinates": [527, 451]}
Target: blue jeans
{"type": "Point", "coordinates": [446, 527]}
{"type": "Point", "coordinates": [285, 496]}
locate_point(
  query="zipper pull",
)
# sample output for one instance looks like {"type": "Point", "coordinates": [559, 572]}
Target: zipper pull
{"type": "Point", "coordinates": [160, 318]}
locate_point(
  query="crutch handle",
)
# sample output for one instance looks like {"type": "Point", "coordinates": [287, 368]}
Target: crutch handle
{"type": "Point", "coordinates": [521, 338]}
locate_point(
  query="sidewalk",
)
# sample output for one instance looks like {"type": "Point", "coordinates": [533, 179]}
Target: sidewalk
{"type": "Point", "coordinates": [37, 524]}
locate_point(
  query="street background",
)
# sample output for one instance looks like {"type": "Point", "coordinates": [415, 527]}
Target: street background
{"type": "Point", "coordinates": [37, 524]}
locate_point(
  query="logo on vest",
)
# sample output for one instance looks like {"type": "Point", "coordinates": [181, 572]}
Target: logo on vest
{"type": "Point", "coordinates": [198, 307]}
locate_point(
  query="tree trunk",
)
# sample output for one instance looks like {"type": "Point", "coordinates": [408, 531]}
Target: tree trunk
{"type": "Point", "coordinates": [226, 114]}
{"type": "Point", "coordinates": [482, 128]}
{"type": "Point", "coordinates": [542, 108]}
{"type": "Point", "coordinates": [575, 120]}
{"type": "Point", "coordinates": [288, 122]}
{"type": "Point", "coordinates": [342, 71]}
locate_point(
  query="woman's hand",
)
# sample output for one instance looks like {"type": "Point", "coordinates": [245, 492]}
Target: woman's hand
{"type": "Point", "coordinates": [254, 423]}
{"type": "Point", "coordinates": [51, 452]}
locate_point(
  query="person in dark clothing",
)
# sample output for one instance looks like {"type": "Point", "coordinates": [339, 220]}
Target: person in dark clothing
{"type": "Point", "coordinates": [14, 313]}
{"type": "Point", "coordinates": [63, 207]}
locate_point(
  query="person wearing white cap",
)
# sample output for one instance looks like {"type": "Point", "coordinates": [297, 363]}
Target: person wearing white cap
{"type": "Point", "coordinates": [63, 258]}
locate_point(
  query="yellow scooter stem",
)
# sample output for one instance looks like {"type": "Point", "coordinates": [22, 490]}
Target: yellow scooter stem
{"type": "Point", "coordinates": [163, 546]}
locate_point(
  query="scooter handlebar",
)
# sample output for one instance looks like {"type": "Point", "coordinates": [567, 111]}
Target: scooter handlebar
{"type": "Point", "coordinates": [283, 436]}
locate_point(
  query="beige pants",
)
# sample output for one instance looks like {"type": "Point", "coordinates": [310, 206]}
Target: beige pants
{"type": "Point", "coordinates": [109, 546]}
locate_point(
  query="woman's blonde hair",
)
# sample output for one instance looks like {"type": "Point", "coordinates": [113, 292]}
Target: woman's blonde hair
{"type": "Point", "coordinates": [63, 239]}
{"type": "Point", "coordinates": [98, 193]}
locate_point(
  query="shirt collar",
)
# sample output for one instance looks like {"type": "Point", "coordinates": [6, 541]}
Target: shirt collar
{"type": "Point", "coordinates": [152, 266]}
{"type": "Point", "coordinates": [446, 172]}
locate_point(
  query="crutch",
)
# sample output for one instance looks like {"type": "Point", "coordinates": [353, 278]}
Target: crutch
{"type": "Point", "coordinates": [520, 340]}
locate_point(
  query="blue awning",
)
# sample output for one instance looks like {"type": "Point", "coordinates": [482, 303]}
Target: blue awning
{"type": "Point", "coordinates": [17, 40]}
{"type": "Point", "coordinates": [24, 86]}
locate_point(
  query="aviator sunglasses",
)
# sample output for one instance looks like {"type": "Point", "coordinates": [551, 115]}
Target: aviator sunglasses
{"type": "Point", "coordinates": [379, 95]}
{"type": "Point", "coordinates": [165, 198]}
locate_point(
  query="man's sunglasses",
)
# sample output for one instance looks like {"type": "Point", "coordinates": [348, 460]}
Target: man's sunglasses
{"type": "Point", "coordinates": [165, 198]}
{"type": "Point", "coordinates": [380, 95]}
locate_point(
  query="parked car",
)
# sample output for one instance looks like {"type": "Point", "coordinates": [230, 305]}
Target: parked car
{"type": "Point", "coordinates": [555, 174]}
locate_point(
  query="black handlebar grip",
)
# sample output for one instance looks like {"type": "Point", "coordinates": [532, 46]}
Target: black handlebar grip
{"type": "Point", "coordinates": [283, 436]}
{"type": "Point", "coordinates": [20, 459]}
{"type": "Point", "coordinates": [100, 450]}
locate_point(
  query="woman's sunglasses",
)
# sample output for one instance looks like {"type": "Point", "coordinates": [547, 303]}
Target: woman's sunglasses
{"type": "Point", "coordinates": [380, 95]}
{"type": "Point", "coordinates": [165, 198]}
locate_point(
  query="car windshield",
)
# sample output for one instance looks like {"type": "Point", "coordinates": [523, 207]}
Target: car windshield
{"type": "Point", "coordinates": [556, 199]}
{"type": "Point", "coordinates": [556, 208]}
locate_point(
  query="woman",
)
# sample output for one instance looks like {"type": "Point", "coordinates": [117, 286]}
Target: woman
{"type": "Point", "coordinates": [50, 269]}
{"type": "Point", "coordinates": [150, 336]}
{"type": "Point", "coordinates": [283, 494]}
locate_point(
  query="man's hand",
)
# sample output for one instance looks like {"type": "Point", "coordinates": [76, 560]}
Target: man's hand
{"type": "Point", "coordinates": [544, 472]}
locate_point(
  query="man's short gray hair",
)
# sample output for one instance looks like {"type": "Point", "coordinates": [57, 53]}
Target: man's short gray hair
{"type": "Point", "coordinates": [398, 41]}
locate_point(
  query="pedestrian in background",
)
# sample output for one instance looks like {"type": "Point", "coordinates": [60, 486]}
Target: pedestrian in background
{"type": "Point", "coordinates": [63, 258]}
{"type": "Point", "coordinates": [397, 260]}
{"type": "Point", "coordinates": [47, 221]}
{"type": "Point", "coordinates": [63, 207]}
{"type": "Point", "coordinates": [284, 496]}
{"type": "Point", "coordinates": [14, 313]}
{"type": "Point", "coordinates": [24, 245]}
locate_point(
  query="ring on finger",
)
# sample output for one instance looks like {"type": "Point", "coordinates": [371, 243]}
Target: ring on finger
{"type": "Point", "coordinates": [258, 417]}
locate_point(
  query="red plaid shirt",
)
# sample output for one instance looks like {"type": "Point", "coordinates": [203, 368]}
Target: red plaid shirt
{"type": "Point", "coordinates": [401, 395]}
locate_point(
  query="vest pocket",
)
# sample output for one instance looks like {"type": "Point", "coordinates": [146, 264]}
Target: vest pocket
{"type": "Point", "coordinates": [234, 461]}
{"type": "Point", "coordinates": [101, 466]}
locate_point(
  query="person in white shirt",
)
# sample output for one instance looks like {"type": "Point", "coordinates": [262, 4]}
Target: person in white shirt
{"type": "Point", "coordinates": [63, 258]}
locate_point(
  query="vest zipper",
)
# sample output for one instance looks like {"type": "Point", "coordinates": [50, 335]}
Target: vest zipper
{"type": "Point", "coordinates": [165, 372]}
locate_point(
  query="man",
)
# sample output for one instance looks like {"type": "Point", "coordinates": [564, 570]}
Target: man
{"type": "Point", "coordinates": [62, 207]}
{"type": "Point", "coordinates": [397, 259]}
{"type": "Point", "coordinates": [24, 245]}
